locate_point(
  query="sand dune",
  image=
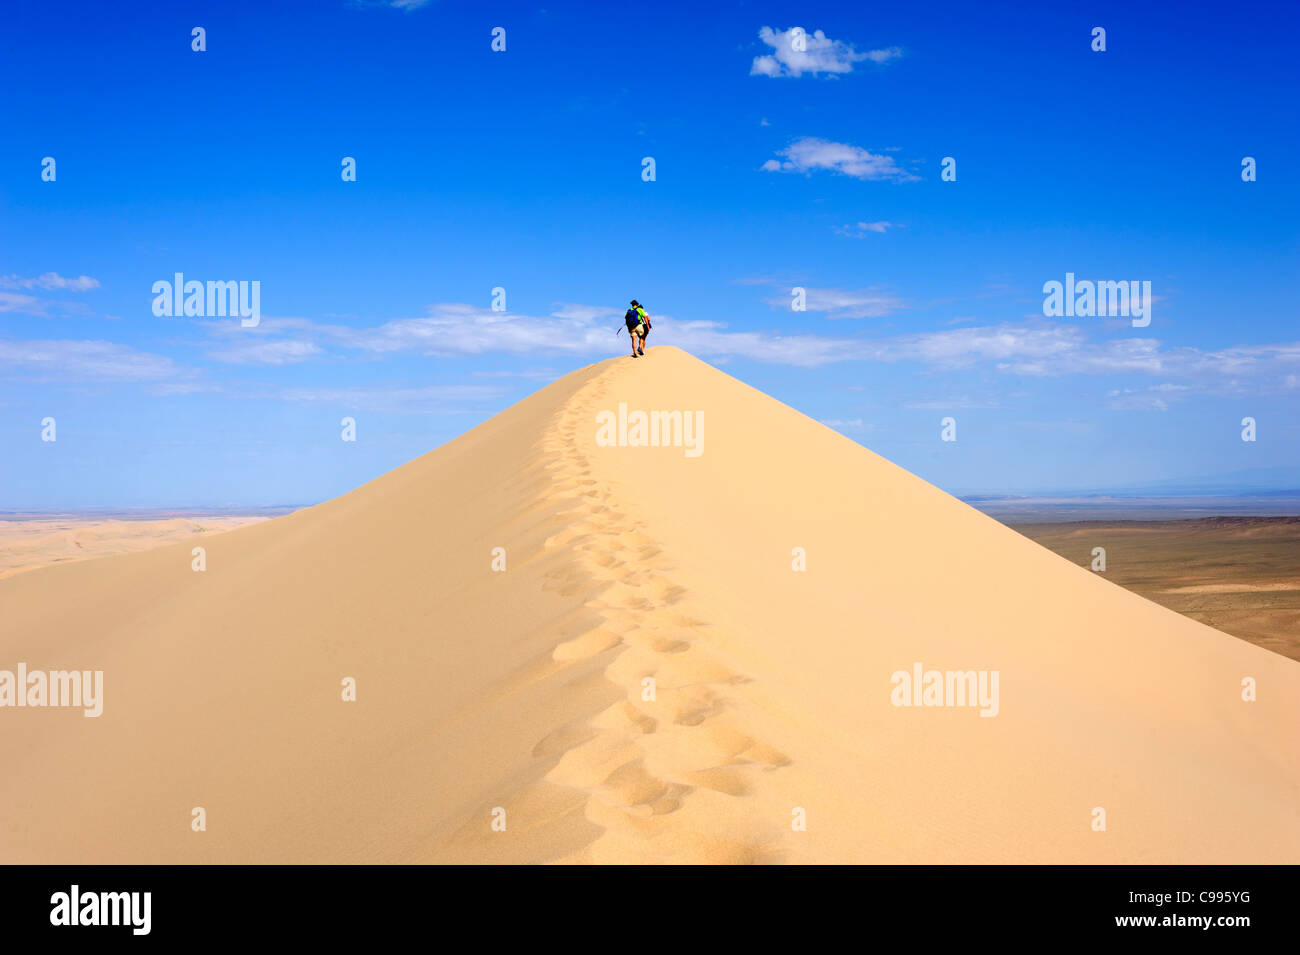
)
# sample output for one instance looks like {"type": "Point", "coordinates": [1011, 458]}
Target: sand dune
{"type": "Point", "coordinates": [524, 690]}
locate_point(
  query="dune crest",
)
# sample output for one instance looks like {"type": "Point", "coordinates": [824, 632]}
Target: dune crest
{"type": "Point", "coordinates": [686, 658]}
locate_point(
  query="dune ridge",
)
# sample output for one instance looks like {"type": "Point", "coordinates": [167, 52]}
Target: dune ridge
{"type": "Point", "coordinates": [524, 691]}
{"type": "Point", "coordinates": [639, 761]}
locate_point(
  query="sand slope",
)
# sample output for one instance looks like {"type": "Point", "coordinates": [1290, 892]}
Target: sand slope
{"type": "Point", "coordinates": [523, 689]}
{"type": "Point", "coordinates": [28, 544]}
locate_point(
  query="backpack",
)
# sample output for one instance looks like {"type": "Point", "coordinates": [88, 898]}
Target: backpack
{"type": "Point", "coordinates": [631, 319]}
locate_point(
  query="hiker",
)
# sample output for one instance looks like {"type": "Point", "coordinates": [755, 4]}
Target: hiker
{"type": "Point", "coordinates": [638, 327]}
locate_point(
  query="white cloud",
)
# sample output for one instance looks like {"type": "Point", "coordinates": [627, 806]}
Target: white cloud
{"type": "Point", "coordinates": [862, 228]}
{"type": "Point", "coordinates": [959, 403]}
{"type": "Point", "coordinates": [1035, 348]}
{"type": "Point", "coordinates": [448, 328]}
{"type": "Point", "coordinates": [50, 281]}
{"type": "Point", "coordinates": [452, 328]}
{"type": "Point", "coordinates": [283, 352]}
{"type": "Point", "coordinates": [427, 399]}
{"type": "Point", "coordinates": [585, 313]}
{"type": "Point", "coordinates": [819, 54]}
{"type": "Point", "coordinates": [406, 5]}
{"type": "Point", "coordinates": [810, 154]}
{"type": "Point", "coordinates": [1016, 346]}
{"type": "Point", "coordinates": [711, 340]}
{"type": "Point", "coordinates": [85, 361]}
{"type": "Point", "coordinates": [842, 303]}
{"type": "Point", "coordinates": [854, 424]}
{"type": "Point", "coordinates": [1129, 399]}
{"type": "Point", "coordinates": [9, 302]}
{"type": "Point", "coordinates": [884, 55]}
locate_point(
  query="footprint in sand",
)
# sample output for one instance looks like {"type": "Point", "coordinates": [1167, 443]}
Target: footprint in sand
{"type": "Point", "coordinates": [586, 645]}
{"type": "Point", "coordinates": [668, 645]}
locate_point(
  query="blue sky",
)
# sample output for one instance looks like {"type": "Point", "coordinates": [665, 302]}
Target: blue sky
{"type": "Point", "coordinates": [522, 169]}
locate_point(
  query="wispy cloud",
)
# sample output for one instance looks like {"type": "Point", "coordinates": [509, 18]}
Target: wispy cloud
{"type": "Point", "coordinates": [50, 281]}
{"type": "Point", "coordinates": [10, 302]}
{"type": "Point", "coordinates": [711, 340]}
{"type": "Point", "coordinates": [861, 229]}
{"type": "Point", "coordinates": [796, 52]}
{"type": "Point", "coordinates": [427, 399]}
{"type": "Point", "coordinates": [956, 403]}
{"type": "Point", "coordinates": [266, 352]}
{"type": "Point", "coordinates": [458, 329]}
{"type": "Point", "coordinates": [44, 307]}
{"type": "Point", "coordinates": [446, 329]}
{"type": "Point", "coordinates": [452, 328]}
{"type": "Point", "coordinates": [584, 313]}
{"type": "Point", "coordinates": [809, 155]}
{"type": "Point", "coordinates": [1032, 349]}
{"type": "Point", "coordinates": [854, 425]}
{"type": "Point", "coordinates": [1152, 398]}
{"type": "Point", "coordinates": [85, 361]}
{"type": "Point", "coordinates": [839, 303]}
{"type": "Point", "coordinates": [407, 5]}
{"type": "Point", "coordinates": [1129, 399]}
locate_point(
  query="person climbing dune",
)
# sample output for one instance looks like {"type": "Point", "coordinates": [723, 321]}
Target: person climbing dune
{"type": "Point", "coordinates": [638, 327]}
